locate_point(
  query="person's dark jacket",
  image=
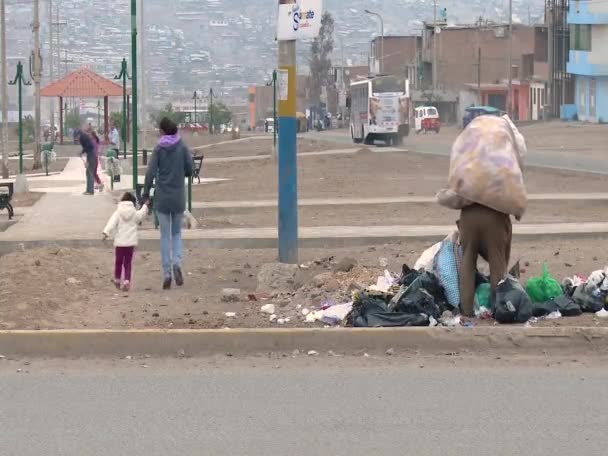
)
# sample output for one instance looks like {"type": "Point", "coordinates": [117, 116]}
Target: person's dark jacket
{"type": "Point", "coordinates": [88, 147]}
{"type": "Point", "coordinates": [170, 165]}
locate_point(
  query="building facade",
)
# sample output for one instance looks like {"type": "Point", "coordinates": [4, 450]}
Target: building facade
{"type": "Point", "coordinates": [588, 60]}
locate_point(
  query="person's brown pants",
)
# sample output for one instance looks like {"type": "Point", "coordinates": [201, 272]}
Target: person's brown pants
{"type": "Point", "coordinates": [485, 232]}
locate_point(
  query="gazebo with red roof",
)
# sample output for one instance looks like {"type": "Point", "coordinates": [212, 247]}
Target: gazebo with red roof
{"type": "Point", "coordinates": [83, 83]}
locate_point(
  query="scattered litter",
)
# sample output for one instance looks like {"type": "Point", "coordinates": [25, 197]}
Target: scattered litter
{"type": "Point", "coordinates": [231, 295]}
{"type": "Point", "coordinates": [313, 353]}
{"type": "Point", "coordinates": [268, 309]}
{"type": "Point", "coordinates": [390, 352]}
{"type": "Point", "coordinates": [384, 283]}
{"type": "Point", "coordinates": [333, 315]}
{"type": "Point", "coordinates": [554, 315]}
{"type": "Point", "coordinates": [281, 321]}
{"type": "Point", "coordinates": [72, 281]}
{"type": "Point", "coordinates": [305, 312]}
{"type": "Point", "coordinates": [128, 357]}
{"type": "Point", "coordinates": [383, 262]}
{"type": "Point", "coordinates": [602, 313]}
{"type": "Point", "coordinates": [230, 314]}
{"type": "Point", "coordinates": [273, 318]}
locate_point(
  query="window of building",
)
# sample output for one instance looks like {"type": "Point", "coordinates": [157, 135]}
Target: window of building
{"type": "Point", "coordinates": [580, 37]}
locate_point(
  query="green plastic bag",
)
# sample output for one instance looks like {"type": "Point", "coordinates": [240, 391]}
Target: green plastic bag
{"type": "Point", "coordinates": [543, 289]}
{"type": "Point", "coordinates": [482, 299]}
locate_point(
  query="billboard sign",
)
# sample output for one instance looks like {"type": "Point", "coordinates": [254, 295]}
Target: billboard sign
{"type": "Point", "coordinates": [299, 20]}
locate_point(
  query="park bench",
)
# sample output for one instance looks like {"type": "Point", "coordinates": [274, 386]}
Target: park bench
{"type": "Point", "coordinates": [198, 166]}
{"type": "Point", "coordinates": [5, 199]}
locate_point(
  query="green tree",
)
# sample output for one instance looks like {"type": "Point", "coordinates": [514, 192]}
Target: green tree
{"type": "Point", "coordinates": [72, 119]}
{"type": "Point", "coordinates": [320, 59]}
{"type": "Point", "coordinates": [221, 114]}
{"type": "Point", "coordinates": [169, 112]}
{"type": "Point", "coordinates": [28, 130]}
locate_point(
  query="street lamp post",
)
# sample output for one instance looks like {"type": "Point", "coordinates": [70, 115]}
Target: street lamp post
{"type": "Point", "coordinates": [124, 75]}
{"type": "Point", "coordinates": [195, 98]}
{"type": "Point", "coordinates": [20, 82]}
{"type": "Point", "coordinates": [210, 111]}
{"type": "Point", "coordinates": [371, 13]}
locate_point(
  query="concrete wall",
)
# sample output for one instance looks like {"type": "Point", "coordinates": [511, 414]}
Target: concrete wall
{"type": "Point", "coordinates": [599, 43]}
{"type": "Point", "coordinates": [588, 12]}
{"type": "Point", "coordinates": [458, 54]}
{"type": "Point", "coordinates": [399, 51]}
{"type": "Point", "coordinates": [583, 99]}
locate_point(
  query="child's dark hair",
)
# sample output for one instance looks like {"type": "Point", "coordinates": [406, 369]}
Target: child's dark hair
{"type": "Point", "coordinates": [129, 197]}
{"type": "Point", "coordinates": [168, 127]}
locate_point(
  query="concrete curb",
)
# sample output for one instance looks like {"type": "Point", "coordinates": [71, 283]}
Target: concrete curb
{"type": "Point", "coordinates": [169, 343]}
{"type": "Point", "coordinates": [255, 243]}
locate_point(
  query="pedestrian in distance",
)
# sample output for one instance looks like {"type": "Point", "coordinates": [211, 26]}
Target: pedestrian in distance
{"type": "Point", "coordinates": [123, 226]}
{"type": "Point", "coordinates": [88, 152]}
{"type": "Point", "coordinates": [170, 165]}
{"type": "Point", "coordinates": [114, 138]}
{"type": "Point", "coordinates": [97, 144]}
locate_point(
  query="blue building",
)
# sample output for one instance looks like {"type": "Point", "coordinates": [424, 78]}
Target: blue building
{"type": "Point", "coordinates": [588, 60]}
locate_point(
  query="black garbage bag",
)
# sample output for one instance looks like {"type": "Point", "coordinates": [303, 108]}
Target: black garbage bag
{"type": "Point", "coordinates": [564, 304]}
{"type": "Point", "coordinates": [589, 297]}
{"type": "Point", "coordinates": [408, 275]}
{"type": "Point", "coordinates": [512, 305]}
{"type": "Point", "coordinates": [424, 295]}
{"type": "Point", "coordinates": [372, 312]}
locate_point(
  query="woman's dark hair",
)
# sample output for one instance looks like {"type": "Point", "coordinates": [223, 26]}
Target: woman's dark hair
{"type": "Point", "coordinates": [129, 197]}
{"type": "Point", "coordinates": [168, 127]}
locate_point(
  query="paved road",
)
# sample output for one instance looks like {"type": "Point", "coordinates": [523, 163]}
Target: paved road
{"type": "Point", "coordinates": [301, 407]}
{"type": "Point", "coordinates": [545, 159]}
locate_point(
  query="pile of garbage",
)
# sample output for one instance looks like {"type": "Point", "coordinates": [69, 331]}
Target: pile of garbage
{"type": "Point", "coordinates": [426, 295]}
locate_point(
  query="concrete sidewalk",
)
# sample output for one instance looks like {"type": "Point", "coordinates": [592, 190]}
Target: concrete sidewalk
{"type": "Point", "coordinates": [38, 232]}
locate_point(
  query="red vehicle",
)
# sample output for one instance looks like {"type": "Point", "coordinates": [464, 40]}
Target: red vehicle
{"type": "Point", "coordinates": [427, 119]}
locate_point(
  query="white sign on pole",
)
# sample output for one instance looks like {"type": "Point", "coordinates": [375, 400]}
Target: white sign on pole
{"type": "Point", "coordinates": [283, 84]}
{"type": "Point", "coordinates": [300, 20]}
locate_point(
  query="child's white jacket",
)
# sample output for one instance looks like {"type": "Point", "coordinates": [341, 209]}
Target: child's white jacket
{"type": "Point", "coordinates": [123, 224]}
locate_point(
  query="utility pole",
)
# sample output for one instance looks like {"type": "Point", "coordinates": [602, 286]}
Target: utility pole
{"type": "Point", "coordinates": [134, 87]}
{"type": "Point", "coordinates": [4, 82]}
{"type": "Point", "coordinates": [479, 102]}
{"type": "Point", "coordinates": [51, 66]}
{"type": "Point", "coordinates": [144, 82]}
{"type": "Point", "coordinates": [57, 24]}
{"type": "Point", "coordinates": [381, 59]}
{"type": "Point", "coordinates": [434, 47]}
{"type": "Point", "coordinates": [510, 62]}
{"type": "Point", "coordinates": [288, 160]}
{"type": "Point", "coordinates": [274, 112]}
{"type": "Point", "coordinates": [36, 75]}
{"type": "Point", "coordinates": [549, 99]}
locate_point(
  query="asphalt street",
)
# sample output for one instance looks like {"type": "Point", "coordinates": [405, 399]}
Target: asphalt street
{"type": "Point", "coordinates": [544, 159]}
{"type": "Point", "coordinates": [326, 406]}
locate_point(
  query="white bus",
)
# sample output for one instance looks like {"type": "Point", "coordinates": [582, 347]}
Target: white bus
{"type": "Point", "coordinates": [380, 110]}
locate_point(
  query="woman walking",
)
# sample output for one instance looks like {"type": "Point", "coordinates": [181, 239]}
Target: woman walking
{"type": "Point", "coordinates": [168, 169]}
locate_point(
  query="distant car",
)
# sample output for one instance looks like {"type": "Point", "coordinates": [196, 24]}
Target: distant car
{"type": "Point", "coordinates": [477, 111]}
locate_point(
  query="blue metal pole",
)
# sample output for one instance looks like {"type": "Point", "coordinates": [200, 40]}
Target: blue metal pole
{"type": "Point", "coordinates": [288, 164]}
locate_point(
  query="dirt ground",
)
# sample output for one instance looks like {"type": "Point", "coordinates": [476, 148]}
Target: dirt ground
{"type": "Point", "coordinates": [394, 214]}
{"type": "Point", "coordinates": [365, 175]}
{"type": "Point", "coordinates": [25, 199]}
{"type": "Point", "coordinates": [66, 288]}
{"type": "Point", "coordinates": [54, 167]}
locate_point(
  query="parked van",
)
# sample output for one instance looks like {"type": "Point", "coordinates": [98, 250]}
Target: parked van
{"type": "Point", "coordinates": [427, 119]}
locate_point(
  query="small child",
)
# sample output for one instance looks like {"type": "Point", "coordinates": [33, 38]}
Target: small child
{"type": "Point", "coordinates": [123, 226]}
